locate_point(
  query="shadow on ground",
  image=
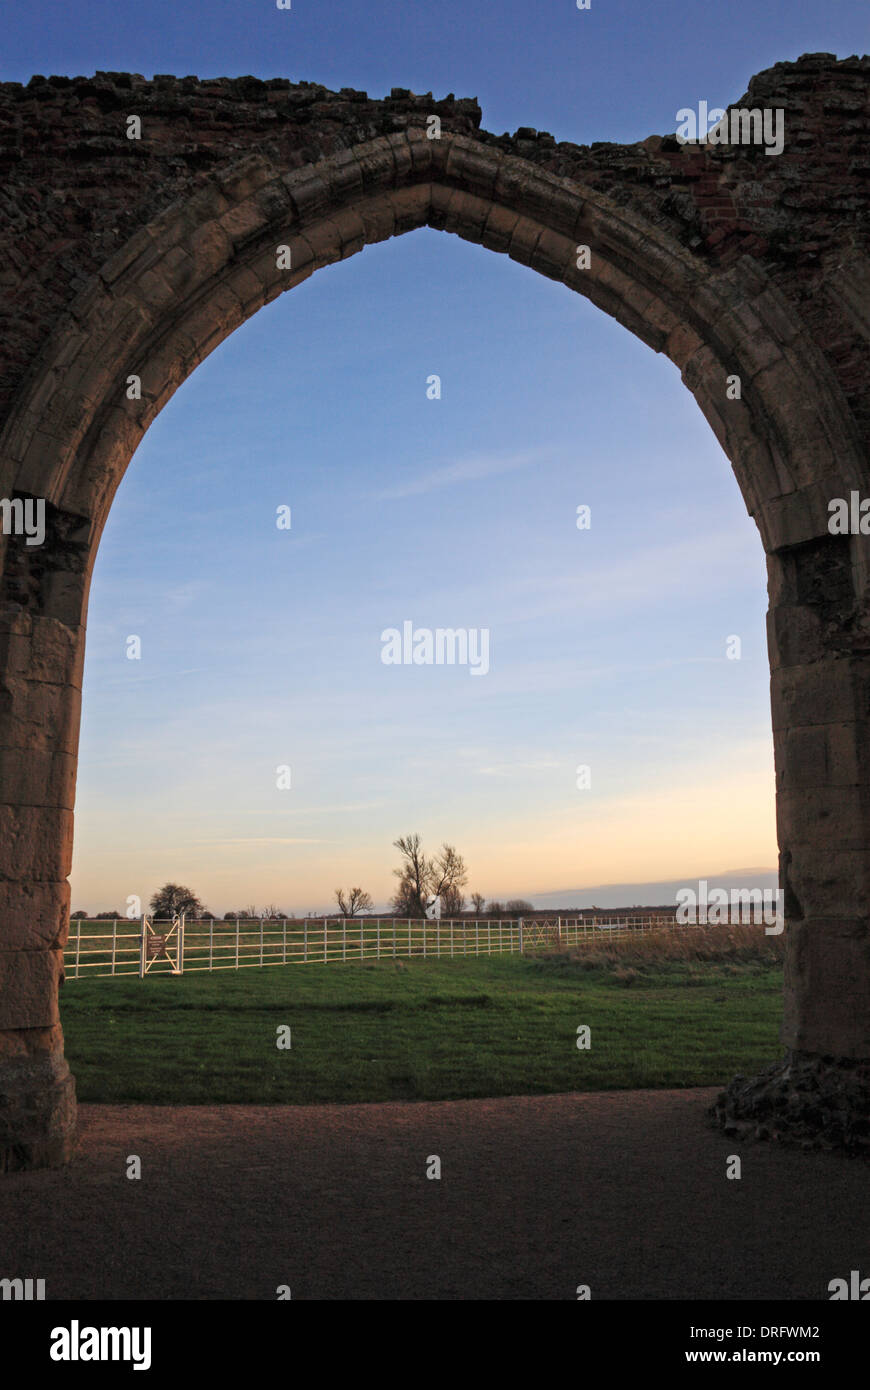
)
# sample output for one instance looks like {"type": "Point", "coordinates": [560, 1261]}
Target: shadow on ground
{"type": "Point", "coordinates": [623, 1191]}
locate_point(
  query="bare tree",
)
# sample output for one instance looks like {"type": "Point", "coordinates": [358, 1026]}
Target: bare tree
{"type": "Point", "coordinates": [452, 901]}
{"type": "Point", "coordinates": [495, 909]}
{"type": "Point", "coordinates": [353, 902]}
{"type": "Point", "coordinates": [518, 907]}
{"type": "Point", "coordinates": [451, 873]}
{"type": "Point", "coordinates": [421, 878]}
{"type": "Point", "coordinates": [478, 903]}
{"type": "Point", "coordinates": [412, 876]}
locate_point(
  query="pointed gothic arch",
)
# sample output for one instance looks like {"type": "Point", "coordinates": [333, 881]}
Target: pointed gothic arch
{"type": "Point", "coordinates": [155, 297]}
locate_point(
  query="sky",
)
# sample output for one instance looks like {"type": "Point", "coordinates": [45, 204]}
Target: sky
{"type": "Point", "coordinates": [259, 749]}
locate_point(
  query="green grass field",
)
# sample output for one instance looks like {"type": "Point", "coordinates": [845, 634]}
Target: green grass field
{"type": "Point", "coordinates": [426, 1030]}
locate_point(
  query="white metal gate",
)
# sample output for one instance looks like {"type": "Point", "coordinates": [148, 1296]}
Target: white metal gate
{"type": "Point", "coordinates": [156, 946]}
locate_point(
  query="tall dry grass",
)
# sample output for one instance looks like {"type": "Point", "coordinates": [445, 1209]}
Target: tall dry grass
{"type": "Point", "coordinates": [682, 945]}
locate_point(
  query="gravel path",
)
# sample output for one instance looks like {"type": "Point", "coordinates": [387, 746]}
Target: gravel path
{"type": "Point", "coordinates": [624, 1191]}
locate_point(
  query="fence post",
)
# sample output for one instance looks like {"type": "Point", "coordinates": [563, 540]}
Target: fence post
{"type": "Point", "coordinates": [141, 950]}
{"type": "Point", "coordinates": [114, 943]}
{"type": "Point", "coordinates": [181, 944]}
{"type": "Point", "coordinates": [378, 940]}
{"type": "Point", "coordinates": [362, 954]}
{"type": "Point", "coordinates": [344, 938]}
{"type": "Point", "coordinates": [325, 937]}
{"type": "Point", "coordinates": [78, 945]}
{"type": "Point", "coordinates": [451, 938]}
{"type": "Point", "coordinates": [284, 945]}
{"type": "Point", "coordinates": [476, 937]}
{"type": "Point", "coordinates": [409, 938]}
{"type": "Point", "coordinates": [237, 943]}
{"type": "Point", "coordinates": [211, 944]}
{"type": "Point", "coordinates": [305, 942]}
{"type": "Point", "coordinates": [489, 937]}
{"type": "Point", "coordinates": [424, 937]}
{"type": "Point", "coordinates": [521, 935]}
{"type": "Point", "coordinates": [394, 938]}
{"type": "Point", "coordinates": [261, 941]}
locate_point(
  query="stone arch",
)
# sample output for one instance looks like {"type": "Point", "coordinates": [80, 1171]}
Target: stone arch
{"type": "Point", "coordinates": [169, 293]}
{"type": "Point", "coordinates": [190, 277]}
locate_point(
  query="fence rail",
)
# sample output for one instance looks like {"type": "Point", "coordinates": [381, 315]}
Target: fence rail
{"type": "Point", "coordinates": [116, 947]}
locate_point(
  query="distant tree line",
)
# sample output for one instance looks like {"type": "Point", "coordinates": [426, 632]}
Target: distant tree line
{"type": "Point", "coordinates": [421, 878]}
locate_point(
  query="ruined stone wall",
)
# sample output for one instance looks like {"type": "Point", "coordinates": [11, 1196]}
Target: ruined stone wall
{"type": "Point", "coordinates": [73, 188]}
{"type": "Point", "coordinates": [126, 255]}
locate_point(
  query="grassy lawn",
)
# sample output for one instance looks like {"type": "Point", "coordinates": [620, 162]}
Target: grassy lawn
{"type": "Point", "coordinates": [424, 1030]}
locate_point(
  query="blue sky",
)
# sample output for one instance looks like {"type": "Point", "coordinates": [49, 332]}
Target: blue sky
{"type": "Point", "coordinates": [261, 648]}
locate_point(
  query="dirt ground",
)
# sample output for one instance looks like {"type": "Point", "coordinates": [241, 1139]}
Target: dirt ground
{"type": "Point", "coordinates": [623, 1191]}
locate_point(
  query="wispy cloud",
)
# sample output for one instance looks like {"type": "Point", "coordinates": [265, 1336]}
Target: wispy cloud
{"type": "Point", "coordinates": [645, 576]}
{"type": "Point", "coordinates": [129, 678]}
{"type": "Point", "coordinates": [509, 769]}
{"type": "Point", "coordinates": [184, 594]}
{"type": "Point", "coordinates": [261, 840]}
{"type": "Point", "coordinates": [465, 470]}
{"type": "Point", "coordinates": [316, 810]}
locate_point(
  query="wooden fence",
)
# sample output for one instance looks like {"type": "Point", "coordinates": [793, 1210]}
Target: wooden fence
{"type": "Point", "coordinates": [116, 947]}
